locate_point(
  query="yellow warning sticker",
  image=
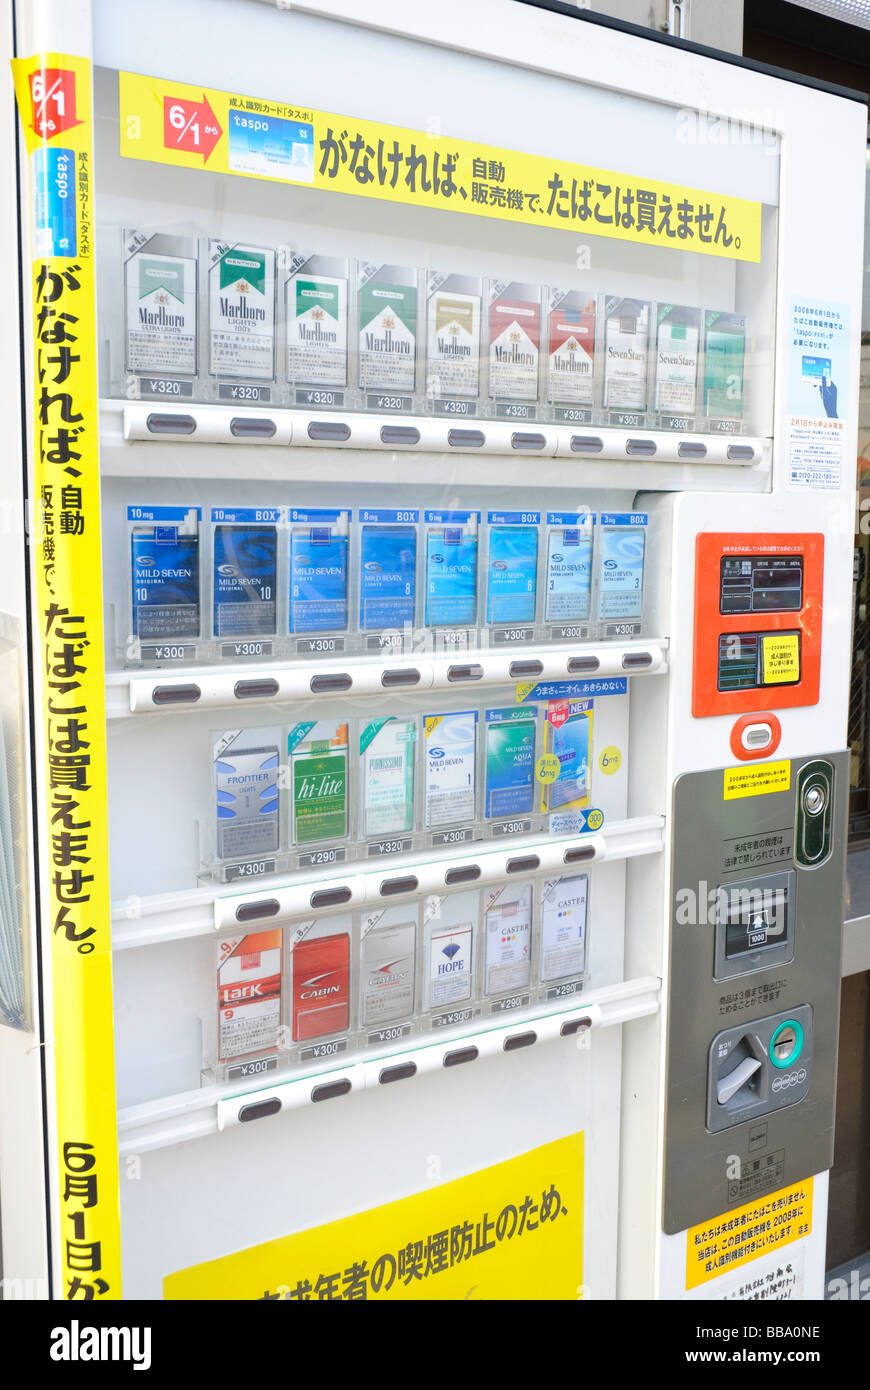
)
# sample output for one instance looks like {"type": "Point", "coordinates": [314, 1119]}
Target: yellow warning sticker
{"type": "Point", "coordinates": [511, 1231]}
{"type": "Point", "coordinates": [780, 658]}
{"type": "Point", "coordinates": [757, 780]}
{"type": "Point", "coordinates": [746, 1233]}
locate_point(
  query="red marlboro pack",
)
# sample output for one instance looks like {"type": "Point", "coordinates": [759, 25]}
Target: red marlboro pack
{"type": "Point", "coordinates": [249, 994]}
{"type": "Point", "coordinates": [514, 341]}
{"type": "Point", "coordinates": [571, 348]}
{"type": "Point", "coordinates": [321, 986]}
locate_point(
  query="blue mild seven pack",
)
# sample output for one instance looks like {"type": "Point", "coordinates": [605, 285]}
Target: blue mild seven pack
{"type": "Point", "coordinates": [513, 567]}
{"type": "Point", "coordinates": [569, 566]}
{"type": "Point", "coordinates": [451, 568]}
{"type": "Point", "coordinates": [318, 569]}
{"type": "Point", "coordinates": [621, 547]}
{"type": "Point", "coordinates": [164, 555]}
{"type": "Point", "coordinates": [244, 571]}
{"type": "Point", "coordinates": [387, 567]}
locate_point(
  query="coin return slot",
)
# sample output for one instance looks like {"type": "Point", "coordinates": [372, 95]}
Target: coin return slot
{"type": "Point", "coordinates": [324, 685]}
{"type": "Point", "coordinates": [518, 1040]}
{"type": "Point", "coordinates": [399, 1073]}
{"type": "Point", "coordinates": [577, 855]}
{"type": "Point", "coordinates": [330, 897]}
{"type": "Point", "coordinates": [399, 434]}
{"type": "Point", "coordinates": [465, 673]}
{"type": "Point", "coordinates": [408, 676]}
{"type": "Point", "coordinates": [252, 912]}
{"type": "Point", "coordinates": [520, 440]}
{"type": "Point", "coordinates": [741, 453]}
{"type": "Point", "coordinates": [175, 694]}
{"type": "Point", "coordinates": [633, 661]}
{"type": "Point", "coordinates": [171, 424]}
{"type": "Point", "coordinates": [640, 447]}
{"type": "Point", "coordinates": [331, 1089]}
{"type": "Point", "coordinates": [577, 664]}
{"type": "Point", "coordinates": [586, 444]}
{"type": "Point", "coordinates": [391, 886]}
{"type": "Point", "coordinates": [574, 1025]}
{"type": "Point", "coordinates": [259, 1111]}
{"type": "Point", "coordinates": [466, 873]}
{"type": "Point", "coordinates": [244, 428]}
{"type": "Point", "coordinates": [525, 668]}
{"type": "Point", "coordinates": [460, 1055]}
{"type": "Point", "coordinates": [328, 429]}
{"type": "Point", "coordinates": [689, 450]}
{"type": "Point", "coordinates": [524, 864]}
{"type": "Point", "coordinates": [255, 690]}
{"type": "Point", "coordinates": [465, 439]}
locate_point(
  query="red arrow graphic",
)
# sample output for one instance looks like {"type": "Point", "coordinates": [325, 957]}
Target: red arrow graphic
{"type": "Point", "coordinates": [191, 126]}
{"type": "Point", "coordinates": [53, 101]}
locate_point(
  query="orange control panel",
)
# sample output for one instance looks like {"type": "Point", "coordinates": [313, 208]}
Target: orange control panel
{"type": "Point", "coordinates": [758, 621]}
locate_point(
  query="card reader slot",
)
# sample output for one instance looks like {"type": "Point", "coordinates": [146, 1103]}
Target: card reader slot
{"type": "Point", "coordinates": [327, 684]}
{"type": "Point", "coordinates": [407, 676]}
{"type": "Point", "coordinates": [175, 694]}
{"type": "Point", "coordinates": [328, 429]}
{"type": "Point", "coordinates": [256, 689]}
{"type": "Point", "coordinates": [171, 424]}
{"type": "Point", "coordinates": [391, 886]}
{"type": "Point", "coordinates": [254, 428]}
{"type": "Point", "coordinates": [263, 907]}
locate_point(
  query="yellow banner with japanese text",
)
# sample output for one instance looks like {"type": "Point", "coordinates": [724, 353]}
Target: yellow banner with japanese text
{"type": "Point", "coordinates": [511, 1231]}
{"type": "Point", "coordinates": [53, 92]}
{"type": "Point", "coordinates": [748, 1232]}
{"type": "Point", "coordinates": [224, 132]}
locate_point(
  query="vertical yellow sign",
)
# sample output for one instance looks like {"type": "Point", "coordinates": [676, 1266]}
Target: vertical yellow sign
{"type": "Point", "coordinates": [54, 102]}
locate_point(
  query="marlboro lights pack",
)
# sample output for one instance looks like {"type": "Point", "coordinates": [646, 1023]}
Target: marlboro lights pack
{"type": "Point", "coordinates": [249, 994]}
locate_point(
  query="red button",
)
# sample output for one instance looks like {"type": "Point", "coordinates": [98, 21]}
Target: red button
{"type": "Point", "coordinates": [755, 736]}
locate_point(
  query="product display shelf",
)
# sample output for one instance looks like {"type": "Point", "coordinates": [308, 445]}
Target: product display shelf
{"type": "Point", "coordinates": [249, 682]}
{"type": "Point", "coordinates": [602, 456]}
{"type": "Point", "coordinates": [279, 900]}
{"type": "Point", "coordinates": [212, 1109]}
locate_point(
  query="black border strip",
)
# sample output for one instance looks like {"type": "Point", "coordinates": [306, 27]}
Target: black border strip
{"type": "Point", "coordinates": [735, 60]}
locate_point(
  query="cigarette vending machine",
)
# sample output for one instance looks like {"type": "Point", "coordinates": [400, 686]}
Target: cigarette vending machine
{"type": "Point", "coordinates": [427, 658]}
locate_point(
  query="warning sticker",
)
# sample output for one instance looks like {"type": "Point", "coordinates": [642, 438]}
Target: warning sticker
{"type": "Point", "coordinates": [744, 1234]}
{"type": "Point", "coordinates": [780, 658]}
{"type": "Point", "coordinates": [756, 781]}
{"type": "Point", "coordinates": [514, 1230]}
